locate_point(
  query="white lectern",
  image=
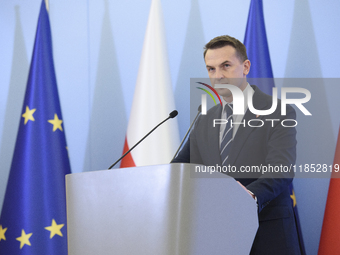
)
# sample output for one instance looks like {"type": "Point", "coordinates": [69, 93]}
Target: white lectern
{"type": "Point", "coordinates": [161, 210]}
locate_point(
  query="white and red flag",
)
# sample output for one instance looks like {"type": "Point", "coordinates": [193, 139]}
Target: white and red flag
{"type": "Point", "coordinates": [153, 101]}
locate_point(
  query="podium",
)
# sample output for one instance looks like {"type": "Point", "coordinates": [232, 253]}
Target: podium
{"type": "Point", "coordinates": [161, 209]}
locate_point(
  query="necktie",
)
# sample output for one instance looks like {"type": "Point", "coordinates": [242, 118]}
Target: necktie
{"type": "Point", "coordinates": [227, 135]}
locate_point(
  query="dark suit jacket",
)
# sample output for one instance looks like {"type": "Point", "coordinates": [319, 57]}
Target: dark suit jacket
{"type": "Point", "coordinates": [272, 144]}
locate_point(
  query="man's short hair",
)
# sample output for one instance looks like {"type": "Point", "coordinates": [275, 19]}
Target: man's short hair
{"type": "Point", "coordinates": [224, 40]}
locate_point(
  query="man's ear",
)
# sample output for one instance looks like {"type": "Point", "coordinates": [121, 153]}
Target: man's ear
{"type": "Point", "coordinates": [246, 67]}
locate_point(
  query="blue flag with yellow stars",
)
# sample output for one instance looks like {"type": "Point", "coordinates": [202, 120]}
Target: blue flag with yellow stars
{"type": "Point", "coordinates": [33, 216]}
{"type": "Point", "coordinates": [255, 40]}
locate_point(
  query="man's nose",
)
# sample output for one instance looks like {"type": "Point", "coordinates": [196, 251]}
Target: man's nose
{"type": "Point", "coordinates": [219, 74]}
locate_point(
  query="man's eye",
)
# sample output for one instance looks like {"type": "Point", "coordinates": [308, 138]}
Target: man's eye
{"type": "Point", "coordinates": [226, 65]}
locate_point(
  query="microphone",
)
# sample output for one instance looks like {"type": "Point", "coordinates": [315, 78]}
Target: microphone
{"type": "Point", "coordinates": [199, 111]}
{"type": "Point", "coordinates": [172, 115]}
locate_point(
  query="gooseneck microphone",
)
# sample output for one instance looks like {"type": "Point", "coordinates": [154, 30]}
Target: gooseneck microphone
{"type": "Point", "coordinates": [172, 114]}
{"type": "Point", "coordinates": [199, 111]}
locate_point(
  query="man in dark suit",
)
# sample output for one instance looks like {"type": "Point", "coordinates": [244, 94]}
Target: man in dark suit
{"type": "Point", "coordinates": [271, 144]}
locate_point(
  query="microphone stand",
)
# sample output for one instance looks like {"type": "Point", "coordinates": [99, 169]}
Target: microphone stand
{"type": "Point", "coordinates": [199, 111]}
{"type": "Point", "coordinates": [173, 114]}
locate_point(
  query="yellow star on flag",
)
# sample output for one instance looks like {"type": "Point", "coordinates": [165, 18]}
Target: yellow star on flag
{"type": "Point", "coordinates": [2, 233]}
{"type": "Point", "coordinates": [28, 115]}
{"type": "Point", "coordinates": [56, 122]}
{"type": "Point", "coordinates": [24, 238]}
{"type": "Point", "coordinates": [55, 229]}
{"type": "Point", "coordinates": [292, 196]}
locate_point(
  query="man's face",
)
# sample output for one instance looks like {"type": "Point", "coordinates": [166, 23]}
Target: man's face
{"type": "Point", "coordinates": [224, 67]}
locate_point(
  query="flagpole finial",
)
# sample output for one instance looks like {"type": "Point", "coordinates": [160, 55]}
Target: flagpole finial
{"type": "Point", "coordinates": [47, 6]}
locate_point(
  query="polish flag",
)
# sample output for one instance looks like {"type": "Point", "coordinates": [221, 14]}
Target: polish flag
{"type": "Point", "coordinates": [153, 101]}
{"type": "Point", "coordinates": [329, 240]}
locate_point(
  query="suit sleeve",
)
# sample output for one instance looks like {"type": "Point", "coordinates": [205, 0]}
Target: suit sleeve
{"type": "Point", "coordinates": [281, 152]}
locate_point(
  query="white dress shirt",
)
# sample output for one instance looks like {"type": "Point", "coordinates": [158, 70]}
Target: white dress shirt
{"type": "Point", "coordinates": [236, 118]}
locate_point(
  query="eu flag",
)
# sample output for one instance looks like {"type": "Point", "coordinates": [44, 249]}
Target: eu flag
{"type": "Point", "coordinates": [255, 41]}
{"type": "Point", "coordinates": [33, 217]}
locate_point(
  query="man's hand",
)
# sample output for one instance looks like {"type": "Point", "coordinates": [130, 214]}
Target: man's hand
{"type": "Point", "coordinates": [250, 193]}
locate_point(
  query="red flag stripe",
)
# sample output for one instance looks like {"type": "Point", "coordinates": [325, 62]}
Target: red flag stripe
{"type": "Point", "coordinates": [329, 240]}
{"type": "Point", "coordinates": [127, 161]}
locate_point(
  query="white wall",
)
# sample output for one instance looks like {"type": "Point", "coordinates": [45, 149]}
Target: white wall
{"type": "Point", "coordinates": [97, 48]}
